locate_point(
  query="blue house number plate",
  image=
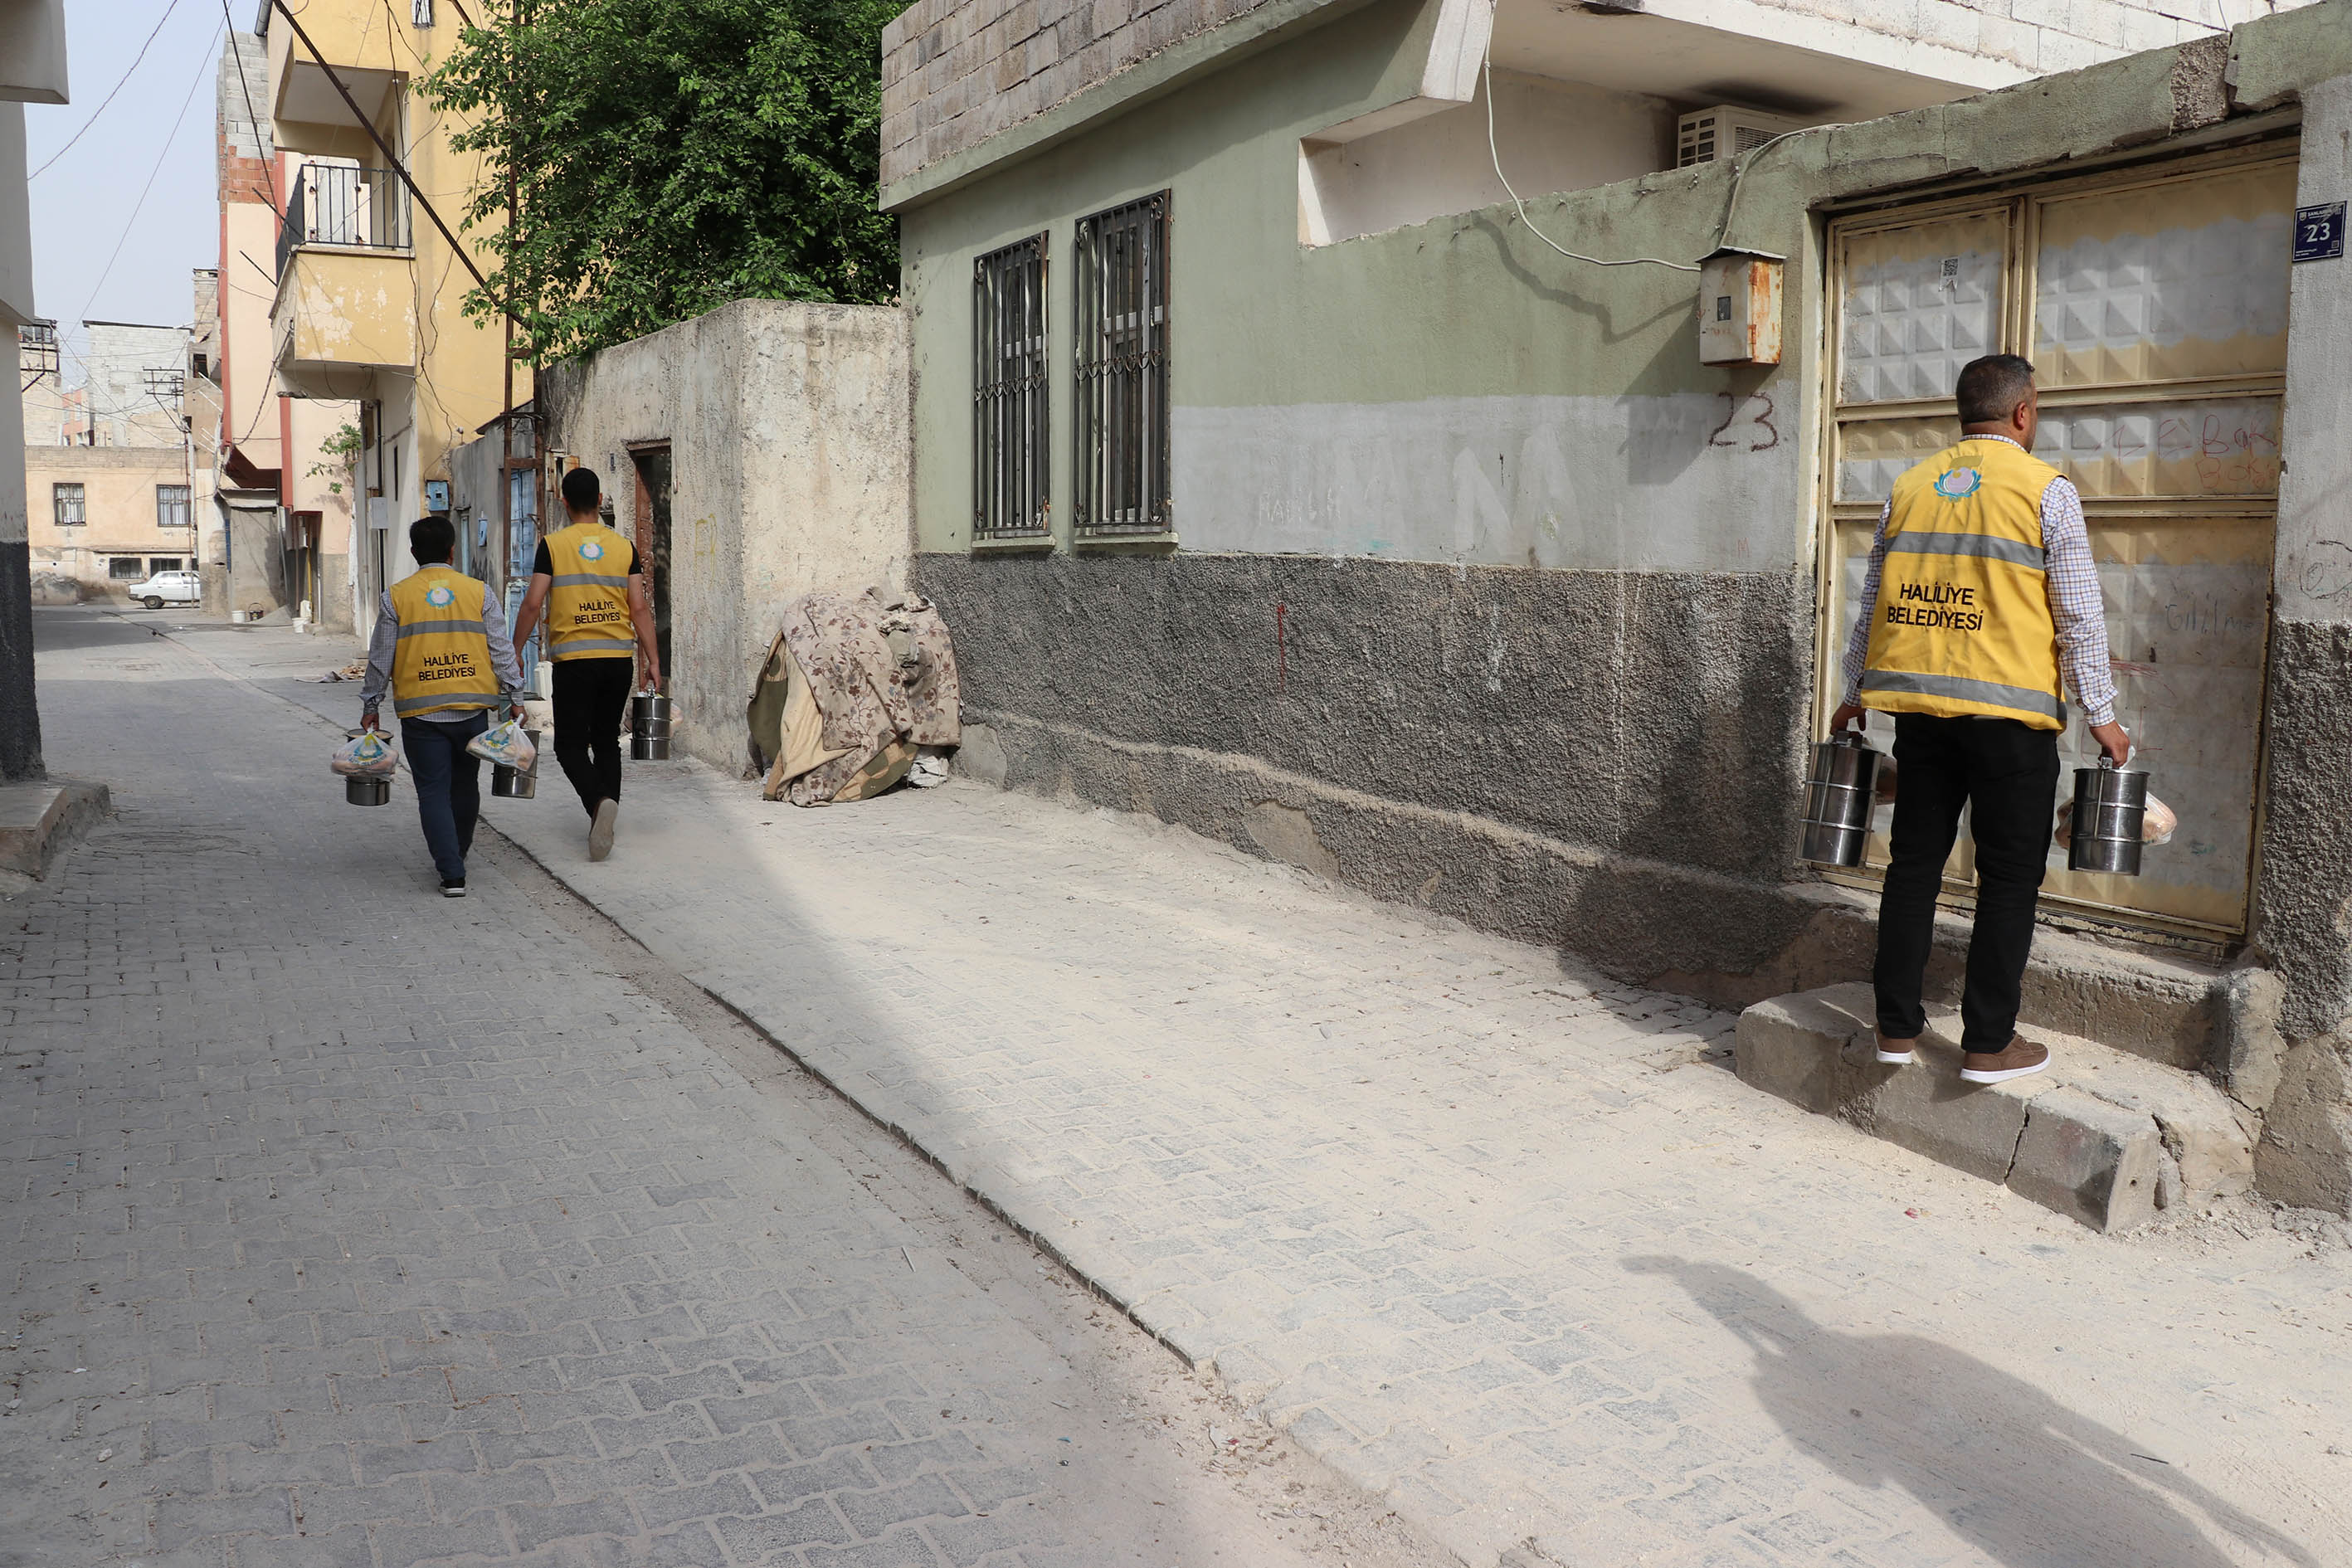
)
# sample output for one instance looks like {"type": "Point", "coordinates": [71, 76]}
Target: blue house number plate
{"type": "Point", "coordinates": [2319, 232]}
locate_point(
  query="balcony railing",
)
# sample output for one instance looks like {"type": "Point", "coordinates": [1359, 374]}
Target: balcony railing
{"type": "Point", "coordinates": [340, 204]}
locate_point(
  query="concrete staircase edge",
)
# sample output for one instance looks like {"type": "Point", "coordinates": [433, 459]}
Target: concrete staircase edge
{"type": "Point", "coordinates": [2105, 1137]}
{"type": "Point", "coordinates": [40, 818]}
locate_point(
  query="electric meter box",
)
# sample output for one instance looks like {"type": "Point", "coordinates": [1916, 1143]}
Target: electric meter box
{"type": "Point", "coordinates": [1740, 307]}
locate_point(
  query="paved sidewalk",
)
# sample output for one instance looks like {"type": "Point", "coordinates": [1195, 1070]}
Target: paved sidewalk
{"type": "Point", "coordinates": [1504, 1244]}
{"type": "Point", "coordinates": [343, 1225]}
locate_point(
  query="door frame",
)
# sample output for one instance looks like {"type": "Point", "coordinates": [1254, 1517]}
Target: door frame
{"type": "Point", "coordinates": [2023, 196]}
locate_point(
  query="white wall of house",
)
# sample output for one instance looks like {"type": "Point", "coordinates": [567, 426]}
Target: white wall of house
{"type": "Point", "coordinates": [1550, 135]}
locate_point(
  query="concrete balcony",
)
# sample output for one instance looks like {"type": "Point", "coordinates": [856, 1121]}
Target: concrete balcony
{"type": "Point", "coordinates": [32, 51]}
{"type": "Point", "coordinates": [343, 314]}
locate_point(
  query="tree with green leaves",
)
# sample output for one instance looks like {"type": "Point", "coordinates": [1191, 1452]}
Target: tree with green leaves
{"type": "Point", "coordinates": [667, 156]}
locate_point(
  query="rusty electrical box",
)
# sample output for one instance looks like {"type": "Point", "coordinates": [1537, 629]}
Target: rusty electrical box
{"type": "Point", "coordinates": [1740, 307]}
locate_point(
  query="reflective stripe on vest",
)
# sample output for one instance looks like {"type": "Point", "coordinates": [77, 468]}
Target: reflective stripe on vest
{"type": "Point", "coordinates": [441, 656]}
{"type": "Point", "coordinates": [588, 597]}
{"type": "Point", "coordinates": [1962, 624]}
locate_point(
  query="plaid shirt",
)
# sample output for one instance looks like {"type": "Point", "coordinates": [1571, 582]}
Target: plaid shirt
{"type": "Point", "coordinates": [2075, 603]}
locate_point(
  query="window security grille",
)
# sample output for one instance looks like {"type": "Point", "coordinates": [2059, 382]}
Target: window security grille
{"type": "Point", "coordinates": [126, 568]}
{"type": "Point", "coordinates": [171, 506]}
{"type": "Point", "coordinates": [1011, 493]}
{"type": "Point", "coordinates": [70, 506]}
{"type": "Point", "coordinates": [37, 348]}
{"type": "Point", "coordinates": [1121, 381]}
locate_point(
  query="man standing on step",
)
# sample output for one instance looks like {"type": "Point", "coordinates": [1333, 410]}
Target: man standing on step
{"type": "Point", "coordinates": [1981, 593]}
{"type": "Point", "coordinates": [589, 581]}
{"type": "Point", "coordinates": [440, 645]}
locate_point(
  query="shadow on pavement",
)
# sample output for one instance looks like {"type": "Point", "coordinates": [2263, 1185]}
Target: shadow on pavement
{"type": "Point", "coordinates": [2025, 1480]}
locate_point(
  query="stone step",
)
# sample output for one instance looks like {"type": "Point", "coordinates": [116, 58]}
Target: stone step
{"type": "Point", "coordinates": [2103, 1137]}
{"type": "Point", "coordinates": [2170, 1007]}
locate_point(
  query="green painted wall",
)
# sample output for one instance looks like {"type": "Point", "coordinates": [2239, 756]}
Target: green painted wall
{"type": "Point", "coordinates": [1464, 308]}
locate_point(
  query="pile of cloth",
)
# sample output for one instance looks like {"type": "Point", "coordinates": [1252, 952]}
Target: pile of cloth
{"type": "Point", "coordinates": [858, 692]}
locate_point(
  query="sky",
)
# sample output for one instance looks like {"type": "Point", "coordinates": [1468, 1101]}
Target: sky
{"type": "Point", "coordinates": [92, 257]}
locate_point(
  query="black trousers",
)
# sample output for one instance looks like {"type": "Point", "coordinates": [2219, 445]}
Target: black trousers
{"type": "Point", "coordinates": [590, 697]}
{"type": "Point", "coordinates": [2007, 774]}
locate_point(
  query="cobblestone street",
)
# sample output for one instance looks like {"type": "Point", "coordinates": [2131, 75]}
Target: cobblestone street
{"type": "Point", "coordinates": [346, 1225]}
{"type": "Point", "coordinates": [350, 1225]}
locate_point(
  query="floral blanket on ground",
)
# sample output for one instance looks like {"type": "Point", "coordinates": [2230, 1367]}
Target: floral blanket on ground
{"type": "Point", "coordinates": [852, 686]}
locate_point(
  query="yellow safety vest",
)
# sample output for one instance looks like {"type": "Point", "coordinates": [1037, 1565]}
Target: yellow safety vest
{"type": "Point", "coordinates": [1963, 624]}
{"type": "Point", "coordinates": [588, 604]}
{"type": "Point", "coordinates": [441, 660]}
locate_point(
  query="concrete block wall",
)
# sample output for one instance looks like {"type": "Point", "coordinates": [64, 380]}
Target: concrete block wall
{"type": "Point", "coordinates": [789, 472]}
{"type": "Point", "coordinates": [956, 72]}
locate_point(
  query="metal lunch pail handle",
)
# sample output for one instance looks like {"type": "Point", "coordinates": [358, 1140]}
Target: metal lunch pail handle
{"type": "Point", "coordinates": [2110, 816]}
{"type": "Point", "coordinates": [1839, 795]}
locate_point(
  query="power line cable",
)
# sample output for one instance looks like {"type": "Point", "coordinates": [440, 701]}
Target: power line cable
{"type": "Point", "coordinates": [164, 152]}
{"type": "Point", "coordinates": [1740, 163]}
{"type": "Point", "coordinates": [110, 97]}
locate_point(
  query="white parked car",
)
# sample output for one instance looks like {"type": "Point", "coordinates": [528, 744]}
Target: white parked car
{"type": "Point", "coordinates": [166, 588]}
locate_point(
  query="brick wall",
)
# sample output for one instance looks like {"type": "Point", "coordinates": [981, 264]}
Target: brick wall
{"type": "Point", "coordinates": [240, 94]}
{"type": "Point", "coordinates": [956, 72]}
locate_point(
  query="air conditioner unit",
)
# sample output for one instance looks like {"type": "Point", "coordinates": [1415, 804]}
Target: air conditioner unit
{"type": "Point", "coordinates": [1726, 130]}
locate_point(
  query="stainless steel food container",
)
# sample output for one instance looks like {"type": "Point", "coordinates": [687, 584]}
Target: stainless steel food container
{"type": "Point", "coordinates": [2110, 812]}
{"type": "Point", "coordinates": [367, 791]}
{"type": "Point", "coordinates": [1839, 796]}
{"type": "Point", "coordinates": [649, 727]}
{"type": "Point", "coordinates": [517, 784]}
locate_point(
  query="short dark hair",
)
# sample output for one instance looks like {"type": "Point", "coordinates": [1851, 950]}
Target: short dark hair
{"type": "Point", "coordinates": [581, 490]}
{"type": "Point", "coordinates": [1990, 388]}
{"type": "Point", "coordinates": [433, 539]}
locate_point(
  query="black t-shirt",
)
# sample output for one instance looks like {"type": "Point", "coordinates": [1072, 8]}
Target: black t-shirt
{"type": "Point", "coordinates": [542, 567]}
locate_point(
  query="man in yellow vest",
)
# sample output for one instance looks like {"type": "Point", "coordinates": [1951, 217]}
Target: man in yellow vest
{"type": "Point", "coordinates": [1982, 594]}
{"type": "Point", "coordinates": [591, 584]}
{"type": "Point", "coordinates": [440, 646]}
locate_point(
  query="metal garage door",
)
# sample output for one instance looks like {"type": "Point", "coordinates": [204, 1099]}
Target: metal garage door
{"type": "Point", "coordinates": [2153, 303]}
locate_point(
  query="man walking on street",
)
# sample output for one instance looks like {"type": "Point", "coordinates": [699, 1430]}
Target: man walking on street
{"type": "Point", "coordinates": [440, 646]}
{"type": "Point", "coordinates": [1981, 593]}
{"type": "Point", "coordinates": [592, 585]}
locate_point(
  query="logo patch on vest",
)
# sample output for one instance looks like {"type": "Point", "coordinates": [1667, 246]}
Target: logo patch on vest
{"type": "Point", "coordinates": [590, 550]}
{"type": "Point", "coordinates": [439, 597]}
{"type": "Point", "coordinates": [1959, 484]}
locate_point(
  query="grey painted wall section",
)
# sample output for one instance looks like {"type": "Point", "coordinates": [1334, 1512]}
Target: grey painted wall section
{"type": "Point", "coordinates": [790, 453]}
{"type": "Point", "coordinates": [2304, 892]}
{"type": "Point", "coordinates": [20, 717]}
{"type": "Point", "coordinates": [1645, 484]}
{"type": "Point", "coordinates": [1647, 714]}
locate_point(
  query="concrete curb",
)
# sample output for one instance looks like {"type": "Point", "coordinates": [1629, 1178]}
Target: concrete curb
{"type": "Point", "coordinates": [2102, 1137]}
{"type": "Point", "coordinates": [41, 819]}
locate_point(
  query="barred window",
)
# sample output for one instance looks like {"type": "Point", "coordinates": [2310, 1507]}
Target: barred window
{"type": "Point", "coordinates": [171, 506]}
{"type": "Point", "coordinates": [1121, 381]}
{"type": "Point", "coordinates": [72, 505]}
{"type": "Point", "coordinates": [126, 568]}
{"type": "Point", "coordinates": [1010, 491]}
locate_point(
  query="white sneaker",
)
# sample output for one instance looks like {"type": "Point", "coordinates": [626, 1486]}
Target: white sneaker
{"type": "Point", "coordinates": [600, 831]}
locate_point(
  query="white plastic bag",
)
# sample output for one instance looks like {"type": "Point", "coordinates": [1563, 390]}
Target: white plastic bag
{"type": "Point", "coordinates": [507, 745]}
{"type": "Point", "coordinates": [367, 755]}
{"type": "Point", "coordinates": [930, 769]}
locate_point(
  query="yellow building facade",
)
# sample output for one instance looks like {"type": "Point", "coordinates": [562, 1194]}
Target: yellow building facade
{"type": "Point", "coordinates": [367, 325]}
